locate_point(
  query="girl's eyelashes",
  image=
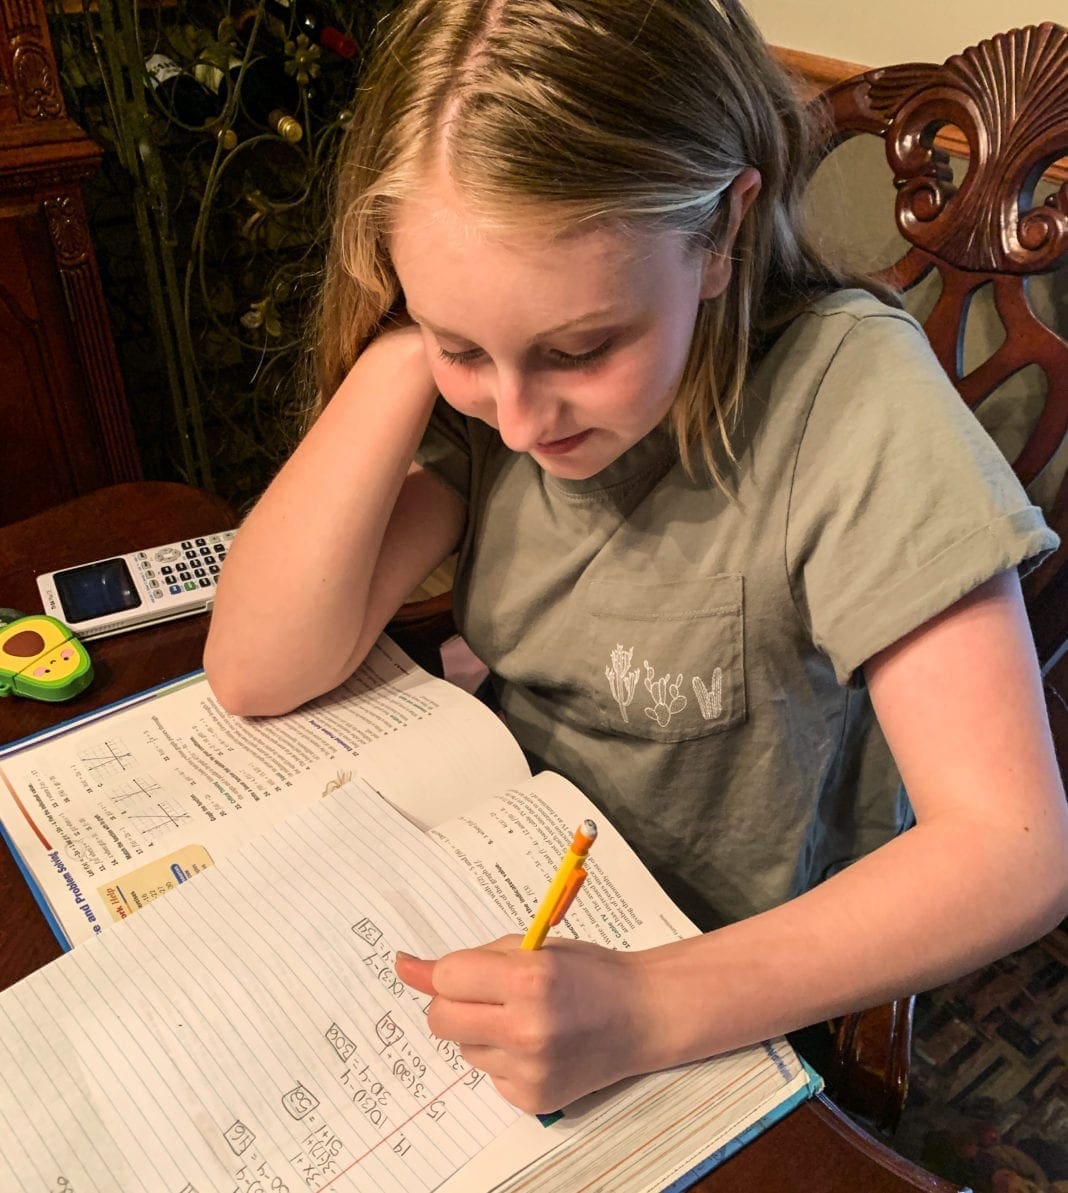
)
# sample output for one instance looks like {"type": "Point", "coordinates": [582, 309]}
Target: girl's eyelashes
{"type": "Point", "coordinates": [562, 360]}
{"type": "Point", "coordinates": [467, 357]}
{"type": "Point", "coordinates": [568, 360]}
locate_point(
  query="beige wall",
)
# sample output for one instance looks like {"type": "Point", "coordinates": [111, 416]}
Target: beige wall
{"type": "Point", "coordinates": [879, 32]}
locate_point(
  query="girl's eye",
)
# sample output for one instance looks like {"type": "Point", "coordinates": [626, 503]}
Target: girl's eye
{"type": "Point", "coordinates": [561, 360]}
{"type": "Point", "coordinates": [568, 360]}
{"type": "Point", "coordinates": [467, 357]}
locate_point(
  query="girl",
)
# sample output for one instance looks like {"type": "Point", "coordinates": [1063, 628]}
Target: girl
{"type": "Point", "coordinates": [738, 558]}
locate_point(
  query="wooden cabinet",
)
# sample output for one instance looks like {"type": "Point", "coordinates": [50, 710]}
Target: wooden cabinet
{"type": "Point", "coordinates": [66, 427]}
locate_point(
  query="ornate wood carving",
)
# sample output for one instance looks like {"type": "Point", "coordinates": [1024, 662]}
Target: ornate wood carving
{"type": "Point", "coordinates": [36, 82]}
{"type": "Point", "coordinates": [68, 229]}
{"type": "Point", "coordinates": [29, 62]}
{"type": "Point", "coordinates": [1009, 97]}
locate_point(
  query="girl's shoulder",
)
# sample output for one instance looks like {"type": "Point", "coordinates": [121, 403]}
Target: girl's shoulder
{"type": "Point", "coordinates": [838, 325]}
{"type": "Point", "coordinates": [847, 307]}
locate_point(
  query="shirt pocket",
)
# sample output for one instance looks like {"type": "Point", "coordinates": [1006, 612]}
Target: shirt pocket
{"type": "Point", "coordinates": [666, 660]}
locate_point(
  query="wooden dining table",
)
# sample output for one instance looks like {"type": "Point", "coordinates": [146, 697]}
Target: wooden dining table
{"type": "Point", "coordinates": [814, 1149]}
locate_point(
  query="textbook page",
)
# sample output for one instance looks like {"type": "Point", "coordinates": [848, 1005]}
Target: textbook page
{"type": "Point", "coordinates": [239, 1035]}
{"type": "Point", "coordinates": [512, 844]}
{"type": "Point", "coordinates": [112, 814]}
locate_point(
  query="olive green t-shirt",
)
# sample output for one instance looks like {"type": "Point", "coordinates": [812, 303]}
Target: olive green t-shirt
{"type": "Point", "coordinates": [693, 662]}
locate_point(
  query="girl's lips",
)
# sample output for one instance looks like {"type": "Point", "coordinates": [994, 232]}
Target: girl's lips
{"type": "Point", "coordinates": [558, 447]}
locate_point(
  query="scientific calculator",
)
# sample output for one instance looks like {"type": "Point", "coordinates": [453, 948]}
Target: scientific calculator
{"type": "Point", "coordinates": [125, 592]}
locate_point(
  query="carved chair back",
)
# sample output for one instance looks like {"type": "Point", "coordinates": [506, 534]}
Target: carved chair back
{"type": "Point", "coordinates": [1008, 97]}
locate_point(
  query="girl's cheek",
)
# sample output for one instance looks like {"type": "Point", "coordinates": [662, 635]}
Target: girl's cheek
{"type": "Point", "coordinates": [464, 396]}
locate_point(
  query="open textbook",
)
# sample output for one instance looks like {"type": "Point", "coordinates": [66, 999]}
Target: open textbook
{"type": "Point", "coordinates": [248, 1031]}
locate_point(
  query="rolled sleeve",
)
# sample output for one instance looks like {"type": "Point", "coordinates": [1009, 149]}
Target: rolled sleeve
{"type": "Point", "coordinates": [900, 502]}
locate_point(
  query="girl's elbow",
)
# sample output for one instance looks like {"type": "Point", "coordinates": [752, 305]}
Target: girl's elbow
{"type": "Point", "coordinates": [1059, 909]}
{"type": "Point", "coordinates": [242, 700]}
{"type": "Point", "coordinates": [238, 691]}
{"type": "Point", "coordinates": [1047, 885]}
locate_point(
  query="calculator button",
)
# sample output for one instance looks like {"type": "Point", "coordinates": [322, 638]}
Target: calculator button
{"type": "Point", "coordinates": [187, 543]}
{"type": "Point", "coordinates": [166, 571]}
{"type": "Point", "coordinates": [208, 559]}
{"type": "Point", "coordinates": [205, 550]}
{"type": "Point", "coordinates": [181, 567]}
{"type": "Point", "coordinates": [199, 572]}
{"type": "Point", "coordinates": [205, 583]}
{"type": "Point", "coordinates": [200, 542]}
{"type": "Point", "coordinates": [190, 585]}
{"type": "Point", "coordinates": [167, 555]}
{"type": "Point", "coordinates": [175, 590]}
{"type": "Point", "coordinates": [214, 569]}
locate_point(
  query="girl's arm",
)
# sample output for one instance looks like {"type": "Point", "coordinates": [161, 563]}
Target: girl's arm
{"type": "Point", "coordinates": [984, 871]}
{"type": "Point", "coordinates": [345, 531]}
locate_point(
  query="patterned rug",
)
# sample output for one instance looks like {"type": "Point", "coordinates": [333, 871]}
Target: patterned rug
{"type": "Point", "coordinates": [988, 1095]}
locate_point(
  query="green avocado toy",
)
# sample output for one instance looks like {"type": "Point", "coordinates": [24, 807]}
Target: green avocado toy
{"type": "Point", "coordinates": [40, 658]}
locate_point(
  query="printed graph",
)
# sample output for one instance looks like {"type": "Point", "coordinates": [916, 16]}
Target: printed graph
{"type": "Point", "coordinates": [140, 804]}
{"type": "Point", "coordinates": [106, 758]}
{"type": "Point", "coordinates": [154, 818]}
{"type": "Point", "coordinates": [136, 790]}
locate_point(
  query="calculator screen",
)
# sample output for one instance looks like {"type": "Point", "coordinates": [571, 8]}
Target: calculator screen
{"type": "Point", "coordinates": [96, 590]}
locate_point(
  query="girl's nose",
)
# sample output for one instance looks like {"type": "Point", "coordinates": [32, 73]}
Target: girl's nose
{"type": "Point", "coordinates": [521, 418]}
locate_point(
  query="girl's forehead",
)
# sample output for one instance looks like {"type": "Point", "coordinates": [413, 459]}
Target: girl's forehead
{"type": "Point", "coordinates": [430, 224]}
{"type": "Point", "coordinates": [431, 252]}
{"type": "Point", "coordinates": [439, 208]}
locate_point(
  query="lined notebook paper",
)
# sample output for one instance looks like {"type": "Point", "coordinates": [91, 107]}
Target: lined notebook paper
{"type": "Point", "coordinates": [247, 1032]}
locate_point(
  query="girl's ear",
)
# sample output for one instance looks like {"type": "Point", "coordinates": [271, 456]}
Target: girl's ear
{"type": "Point", "coordinates": [716, 272]}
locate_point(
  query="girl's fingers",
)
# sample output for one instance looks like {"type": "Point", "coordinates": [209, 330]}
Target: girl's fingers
{"type": "Point", "coordinates": [494, 1062]}
{"type": "Point", "coordinates": [475, 1024]}
{"type": "Point", "coordinates": [475, 975]}
{"type": "Point", "coordinates": [415, 972]}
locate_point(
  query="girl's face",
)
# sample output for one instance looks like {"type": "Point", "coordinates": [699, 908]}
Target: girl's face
{"type": "Point", "coordinates": [572, 347]}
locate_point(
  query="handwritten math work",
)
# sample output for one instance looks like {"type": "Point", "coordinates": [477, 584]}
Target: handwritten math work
{"type": "Point", "coordinates": [248, 1032]}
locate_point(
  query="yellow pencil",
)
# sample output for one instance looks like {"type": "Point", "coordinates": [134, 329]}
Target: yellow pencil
{"type": "Point", "coordinates": [563, 888]}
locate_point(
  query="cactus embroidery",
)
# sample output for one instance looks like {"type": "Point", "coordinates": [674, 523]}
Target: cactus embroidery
{"type": "Point", "coordinates": [710, 699]}
{"type": "Point", "coordinates": [667, 700]}
{"type": "Point", "coordinates": [621, 680]}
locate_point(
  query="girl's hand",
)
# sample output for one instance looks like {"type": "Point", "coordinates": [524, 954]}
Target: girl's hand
{"type": "Point", "coordinates": [547, 1025]}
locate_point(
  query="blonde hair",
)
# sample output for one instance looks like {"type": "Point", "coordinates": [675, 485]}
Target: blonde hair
{"type": "Point", "coordinates": [638, 113]}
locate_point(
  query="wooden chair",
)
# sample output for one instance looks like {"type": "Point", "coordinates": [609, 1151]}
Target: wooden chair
{"type": "Point", "coordinates": [1009, 98]}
